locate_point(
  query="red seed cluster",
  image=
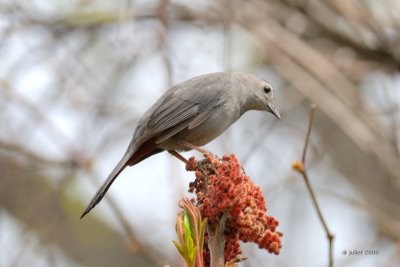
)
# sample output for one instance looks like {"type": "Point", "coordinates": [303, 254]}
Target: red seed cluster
{"type": "Point", "coordinates": [221, 187]}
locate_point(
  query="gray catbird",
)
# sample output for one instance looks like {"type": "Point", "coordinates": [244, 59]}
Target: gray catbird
{"type": "Point", "coordinates": [192, 113]}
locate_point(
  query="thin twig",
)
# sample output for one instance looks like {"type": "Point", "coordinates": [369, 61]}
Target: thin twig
{"type": "Point", "coordinates": [300, 167]}
{"type": "Point", "coordinates": [135, 243]}
{"type": "Point", "coordinates": [310, 119]}
{"type": "Point", "coordinates": [39, 117]}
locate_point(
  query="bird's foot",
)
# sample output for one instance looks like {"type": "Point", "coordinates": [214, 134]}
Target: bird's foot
{"type": "Point", "coordinates": [178, 156]}
{"type": "Point", "coordinates": [189, 145]}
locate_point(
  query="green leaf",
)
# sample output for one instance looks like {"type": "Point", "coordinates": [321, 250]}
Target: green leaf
{"type": "Point", "coordinates": [191, 230]}
{"type": "Point", "coordinates": [191, 254]}
{"type": "Point", "coordinates": [202, 233]}
{"type": "Point", "coordinates": [178, 247]}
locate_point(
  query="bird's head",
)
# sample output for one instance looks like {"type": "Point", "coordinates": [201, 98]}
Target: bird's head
{"type": "Point", "coordinates": [257, 93]}
{"type": "Point", "coordinates": [267, 95]}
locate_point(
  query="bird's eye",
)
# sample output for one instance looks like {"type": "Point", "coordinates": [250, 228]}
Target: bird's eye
{"type": "Point", "coordinates": [267, 89]}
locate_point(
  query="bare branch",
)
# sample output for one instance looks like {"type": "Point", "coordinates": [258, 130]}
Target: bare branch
{"type": "Point", "coordinates": [300, 167]}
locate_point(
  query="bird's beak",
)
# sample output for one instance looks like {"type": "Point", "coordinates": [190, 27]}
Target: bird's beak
{"type": "Point", "coordinates": [273, 110]}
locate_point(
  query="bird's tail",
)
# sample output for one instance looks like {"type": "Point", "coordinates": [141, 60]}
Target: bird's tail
{"type": "Point", "coordinates": [106, 185]}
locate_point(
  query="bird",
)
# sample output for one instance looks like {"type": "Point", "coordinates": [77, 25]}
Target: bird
{"type": "Point", "coordinates": [191, 114]}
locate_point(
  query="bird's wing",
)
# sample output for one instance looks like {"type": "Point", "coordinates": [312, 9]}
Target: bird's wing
{"type": "Point", "coordinates": [191, 123]}
{"type": "Point", "coordinates": [187, 104]}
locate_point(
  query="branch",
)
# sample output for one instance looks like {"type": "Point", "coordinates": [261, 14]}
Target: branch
{"type": "Point", "coordinates": [300, 167]}
{"type": "Point", "coordinates": [311, 118]}
{"type": "Point", "coordinates": [51, 216]}
{"type": "Point", "coordinates": [216, 243]}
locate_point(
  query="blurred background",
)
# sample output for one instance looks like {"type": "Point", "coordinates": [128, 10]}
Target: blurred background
{"type": "Point", "coordinates": [76, 76]}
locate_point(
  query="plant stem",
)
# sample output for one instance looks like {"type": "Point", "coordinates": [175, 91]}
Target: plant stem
{"type": "Point", "coordinates": [216, 243]}
{"type": "Point", "coordinates": [303, 172]}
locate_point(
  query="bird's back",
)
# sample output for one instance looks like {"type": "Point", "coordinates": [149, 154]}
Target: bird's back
{"type": "Point", "coordinates": [179, 106]}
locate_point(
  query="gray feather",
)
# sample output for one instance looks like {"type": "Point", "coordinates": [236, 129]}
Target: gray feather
{"type": "Point", "coordinates": [171, 132]}
{"type": "Point", "coordinates": [200, 119]}
{"type": "Point", "coordinates": [179, 107]}
{"type": "Point", "coordinates": [106, 185]}
{"type": "Point", "coordinates": [186, 105]}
